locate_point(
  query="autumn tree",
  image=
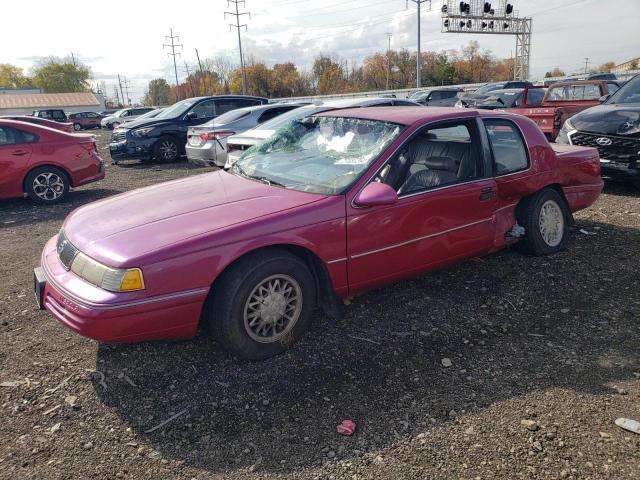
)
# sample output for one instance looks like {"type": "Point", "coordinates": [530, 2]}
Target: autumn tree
{"type": "Point", "coordinates": [12, 76]}
{"type": "Point", "coordinates": [328, 75]}
{"type": "Point", "coordinates": [605, 67]}
{"type": "Point", "coordinates": [556, 72]}
{"type": "Point", "coordinates": [286, 81]}
{"type": "Point", "coordinates": [157, 92]}
{"type": "Point", "coordinates": [55, 75]}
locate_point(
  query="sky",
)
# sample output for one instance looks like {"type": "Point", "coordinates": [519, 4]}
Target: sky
{"type": "Point", "coordinates": [126, 37]}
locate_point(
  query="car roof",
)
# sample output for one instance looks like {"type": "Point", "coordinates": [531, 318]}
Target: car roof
{"type": "Point", "coordinates": [355, 102]}
{"type": "Point", "coordinates": [402, 115]}
{"type": "Point", "coordinates": [268, 106]}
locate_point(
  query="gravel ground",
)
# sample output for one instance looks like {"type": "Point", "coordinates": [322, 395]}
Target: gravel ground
{"type": "Point", "coordinates": [439, 372]}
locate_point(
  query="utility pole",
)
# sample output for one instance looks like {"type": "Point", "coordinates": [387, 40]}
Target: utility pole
{"type": "Point", "coordinates": [586, 65]}
{"type": "Point", "coordinates": [389, 35]}
{"type": "Point", "coordinates": [237, 26]}
{"type": "Point", "coordinates": [419, 56]}
{"type": "Point", "coordinates": [173, 54]}
{"type": "Point", "coordinates": [121, 92]}
{"type": "Point", "coordinates": [201, 76]}
{"type": "Point", "coordinates": [186, 67]}
{"type": "Point", "coordinates": [126, 89]}
{"type": "Point", "coordinates": [115, 90]}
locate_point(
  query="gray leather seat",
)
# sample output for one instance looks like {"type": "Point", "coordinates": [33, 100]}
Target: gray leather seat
{"type": "Point", "coordinates": [438, 171]}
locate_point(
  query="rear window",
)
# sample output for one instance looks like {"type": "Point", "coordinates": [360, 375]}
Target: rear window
{"type": "Point", "coordinates": [231, 116]}
{"type": "Point", "coordinates": [572, 93]}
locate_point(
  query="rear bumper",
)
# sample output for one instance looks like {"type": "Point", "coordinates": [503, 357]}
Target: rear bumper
{"type": "Point", "coordinates": [208, 154]}
{"type": "Point", "coordinates": [94, 178]}
{"type": "Point", "coordinates": [166, 317]}
{"type": "Point", "coordinates": [583, 196]}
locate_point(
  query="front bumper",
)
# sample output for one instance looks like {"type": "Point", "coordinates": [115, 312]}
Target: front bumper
{"type": "Point", "coordinates": [620, 158]}
{"type": "Point", "coordinates": [129, 148]}
{"type": "Point", "coordinates": [113, 317]}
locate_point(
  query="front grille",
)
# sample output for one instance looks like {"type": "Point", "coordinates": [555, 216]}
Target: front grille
{"type": "Point", "coordinates": [118, 137]}
{"type": "Point", "coordinates": [621, 148]}
{"type": "Point", "coordinates": [66, 251]}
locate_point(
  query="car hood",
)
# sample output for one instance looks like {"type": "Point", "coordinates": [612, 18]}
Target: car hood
{"type": "Point", "coordinates": [609, 119]}
{"type": "Point", "coordinates": [147, 122]}
{"type": "Point", "coordinates": [125, 228]}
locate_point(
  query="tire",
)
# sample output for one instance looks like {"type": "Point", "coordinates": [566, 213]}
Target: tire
{"type": "Point", "coordinates": [166, 150]}
{"type": "Point", "coordinates": [46, 185]}
{"type": "Point", "coordinates": [77, 127]}
{"type": "Point", "coordinates": [241, 325]}
{"type": "Point", "coordinates": [546, 220]}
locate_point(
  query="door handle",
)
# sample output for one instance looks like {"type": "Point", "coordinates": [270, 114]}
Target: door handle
{"type": "Point", "coordinates": [19, 152]}
{"type": "Point", "coordinates": [487, 193]}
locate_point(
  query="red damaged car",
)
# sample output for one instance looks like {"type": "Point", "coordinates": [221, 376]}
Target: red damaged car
{"type": "Point", "coordinates": [44, 163]}
{"type": "Point", "coordinates": [330, 206]}
{"type": "Point", "coordinates": [44, 122]}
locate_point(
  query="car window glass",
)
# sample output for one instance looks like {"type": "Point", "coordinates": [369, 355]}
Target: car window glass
{"type": "Point", "coordinates": [383, 104]}
{"type": "Point", "coordinates": [435, 157]}
{"type": "Point", "coordinates": [571, 93]}
{"type": "Point", "coordinates": [507, 145]}
{"type": "Point", "coordinates": [204, 109]}
{"type": "Point", "coordinates": [404, 103]}
{"type": "Point", "coordinates": [272, 113]}
{"type": "Point", "coordinates": [26, 137]}
{"type": "Point", "coordinates": [534, 96]}
{"type": "Point", "coordinates": [91, 115]}
{"type": "Point", "coordinates": [612, 87]}
{"type": "Point", "coordinates": [8, 136]}
{"type": "Point", "coordinates": [58, 115]}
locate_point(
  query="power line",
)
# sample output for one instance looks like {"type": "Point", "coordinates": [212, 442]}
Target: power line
{"type": "Point", "coordinates": [173, 53]}
{"type": "Point", "coordinates": [237, 26]}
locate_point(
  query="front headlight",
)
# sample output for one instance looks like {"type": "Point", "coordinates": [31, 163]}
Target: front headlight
{"type": "Point", "coordinates": [111, 279]}
{"type": "Point", "coordinates": [563, 135]}
{"type": "Point", "coordinates": [141, 132]}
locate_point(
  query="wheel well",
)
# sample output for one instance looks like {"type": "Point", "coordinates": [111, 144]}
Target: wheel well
{"type": "Point", "coordinates": [326, 297]}
{"type": "Point", "coordinates": [558, 189]}
{"type": "Point", "coordinates": [24, 180]}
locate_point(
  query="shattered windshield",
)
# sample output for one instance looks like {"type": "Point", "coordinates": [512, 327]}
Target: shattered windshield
{"type": "Point", "coordinates": [318, 154]}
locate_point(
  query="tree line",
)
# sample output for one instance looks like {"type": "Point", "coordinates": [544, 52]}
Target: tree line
{"type": "Point", "coordinates": [51, 74]}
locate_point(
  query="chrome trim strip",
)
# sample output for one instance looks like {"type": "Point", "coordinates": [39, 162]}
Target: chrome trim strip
{"type": "Point", "coordinates": [337, 260]}
{"type": "Point", "coordinates": [505, 207]}
{"type": "Point", "coordinates": [418, 239]}
{"type": "Point", "coordinates": [581, 186]}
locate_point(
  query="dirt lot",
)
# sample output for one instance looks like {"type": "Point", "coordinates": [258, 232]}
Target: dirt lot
{"type": "Point", "coordinates": [554, 340]}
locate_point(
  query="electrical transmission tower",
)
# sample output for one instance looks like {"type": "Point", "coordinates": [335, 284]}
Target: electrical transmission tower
{"type": "Point", "coordinates": [419, 56]}
{"type": "Point", "coordinates": [237, 26]}
{"type": "Point", "coordinates": [389, 35]}
{"type": "Point", "coordinates": [173, 54]}
{"type": "Point", "coordinates": [475, 16]}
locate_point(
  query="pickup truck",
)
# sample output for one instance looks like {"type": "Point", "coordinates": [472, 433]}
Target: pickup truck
{"type": "Point", "coordinates": [563, 100]}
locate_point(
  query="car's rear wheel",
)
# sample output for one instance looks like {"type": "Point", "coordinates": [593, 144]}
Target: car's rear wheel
{"type": "Point", "coordinates": [166, 150]}
{"type": "Point", "coordinates": [262, 304]}
{"type": "Point", "coordinates": [47, 185]}
{"type": "Point", "coordinates": [77, 126]}
{"type": "Point", "coordinates": [546, 219]}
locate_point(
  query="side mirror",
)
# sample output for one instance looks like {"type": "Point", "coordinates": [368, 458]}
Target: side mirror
{"type": "Point", "coordinates": [190, 116]}
{"type": "Point", "coordinates": [604, 98]}
{"type": "Point", "coordinates": [376, 194]}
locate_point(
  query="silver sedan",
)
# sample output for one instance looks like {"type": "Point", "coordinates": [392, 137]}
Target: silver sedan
{"type": "Point", "coordinates": [206, 143]}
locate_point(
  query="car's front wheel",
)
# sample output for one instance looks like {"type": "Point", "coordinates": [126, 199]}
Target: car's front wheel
{"type": "Point", "coordinates": [262, 304]}
{"type": "Point", "coordinates": [546, 219]}
{"type": "Point", "coordinates": [166, 150]}
{"type": "Point", "coordinates": [77, 126]}
{"type": "Point", "coordinates": [46, 185]}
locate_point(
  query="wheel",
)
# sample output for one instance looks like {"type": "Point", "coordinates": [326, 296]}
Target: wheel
{"type": "Point", "coordinates": [262, 304]}
{"type": "Point", "coordinates": [46, 185]}
{"type": "Point", "coordinates": [77, 126]}
{"type": "Point", "coordinates": [546, 219]}
{"type": "Point", "coordinates": [166, 150]}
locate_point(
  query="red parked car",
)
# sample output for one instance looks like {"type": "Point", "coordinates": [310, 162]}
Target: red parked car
{"type": "Point", "coordinates": [44, 163]}
{"type": "Point", "coordinates": [330, 206]}
{"type": "Point", "coordinates": [85, 120]}
{"type": "Point", "coordinates": [62, 126]}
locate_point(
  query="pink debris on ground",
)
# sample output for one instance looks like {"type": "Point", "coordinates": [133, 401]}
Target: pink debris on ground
{"type": "Point", "coordinates": [347, 427]}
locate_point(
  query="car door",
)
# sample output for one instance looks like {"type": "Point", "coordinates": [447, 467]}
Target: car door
{"type": "Point", "coordinates": [15, 153]}
{"type": "Point", "coordinates": [432, 224]}
{"type": "Point", "coordinates": [92, 119]}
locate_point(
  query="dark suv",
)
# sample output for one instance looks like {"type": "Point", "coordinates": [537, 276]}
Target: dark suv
{"type": "Point", "coordinates": [51, 114]}
{"type": "Point", "coordinates": [164, 137]}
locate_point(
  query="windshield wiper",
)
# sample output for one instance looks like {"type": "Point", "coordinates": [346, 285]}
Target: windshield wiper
{"type": "Point", "coordinates": [270, 182]}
